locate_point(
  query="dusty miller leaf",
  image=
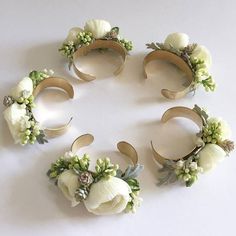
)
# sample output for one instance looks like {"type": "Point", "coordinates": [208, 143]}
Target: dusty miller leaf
{"type": "Point", "coordinates": [131, 172]}
{"type": "Point", "coordinates": [41, 138]}
{"type": "Point", "coordinates": [155, 46]}
{"type": "Point", "coordinates": [167, 173]}
{"type": "Point", "coordinates": [200, 112]}
{"type": "Point", "coordinates": [190, 48]}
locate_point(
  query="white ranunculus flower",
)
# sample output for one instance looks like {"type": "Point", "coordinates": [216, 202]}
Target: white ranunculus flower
{"type": "Point", "coordinates": [225, 129]}
{"type": "Point", "coordinates": [108, 196]}
{"type": "Point", "coordinates": [25, 84]}
{"type": "Point", "coordinates": [202, 53]}
{"type": "Point", "coordinates": [68, 183]}
{"type": "Point", "coordinates": [13, 115]}
{"type": "Point", "coordinates": [176, 40]}
{"type": "Point", "coordinates": [25, 122]}
{"type": "Point", "coordinates": [210, 156]}
{"type": "Point", "coordinates": [72, 35]}
{"type": "Point", "coordinates": [99, 28]}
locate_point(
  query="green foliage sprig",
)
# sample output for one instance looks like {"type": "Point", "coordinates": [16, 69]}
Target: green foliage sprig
{"type": "Point", "coordinates": [38, 76]}
{"type": "Point", "coordinates": [202, 113]}
{"type": "Point", "coordinates": [129, 176]}
{"type": "Point", "coordinates": [105, 169]}
{"type": "Point", "coordinates": [58, 167]}
{"type": "Point", "coordinates": [167, 173]}
{"type": "Point", "coordinates": [80, 164]}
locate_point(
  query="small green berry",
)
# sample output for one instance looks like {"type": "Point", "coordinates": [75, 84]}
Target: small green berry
{"type": "Point", "coordinates": [21, 100]}
{"type": "Point", "coordinates": [27, 132]}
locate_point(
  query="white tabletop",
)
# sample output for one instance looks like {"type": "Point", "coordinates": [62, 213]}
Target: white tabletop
{"type": "Point", "coordinates": [126, 107]}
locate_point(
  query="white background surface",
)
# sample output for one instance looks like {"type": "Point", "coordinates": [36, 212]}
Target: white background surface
{"type": "Point", "coordinates": [126, 107]}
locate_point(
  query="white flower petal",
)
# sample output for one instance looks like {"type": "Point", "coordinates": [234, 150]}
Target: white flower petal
{"type": "Point", "coordinates": [108, 196]}
{"type": "Point", "coordinates": [137, 203]}
{"type": "Point", "coordinates": [99, 28]}
{"type": "Point", "coordinates": [176, 40]}
{"type": "Point", "coordinates": [24, 123]}
{"type": "Point", "coordinates": [72, 35]}
{"type": "Point", "coordinates": [202, 53]}
{"type": "Point", "coordinates": [13, 116]}
{"type": "Point", "coordinates": [68, 183]}
{"type": "Point", "coordinates": [225, 130]}
{"type": "Point", "coordinates": [210, 156]}
{"type": "Point", "coordinates": [24, 84]}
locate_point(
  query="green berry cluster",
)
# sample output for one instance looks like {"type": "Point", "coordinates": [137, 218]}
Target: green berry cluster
{"type": "Point", "coordinates": [133, 203]}
{"type": "Point", "coordinates": [79, 164]}
{"type": "Point", "coordinates": [129, 176]}
{"type": "Point", "coordinates": [38, 76]}
{"type": "Point", "coordinates": [202, 76]}
{"type": "Point", "coordinates": [58, 167]}
{"type": "Point", "coordinates": [211, 132]}
{"type": "Point", "coordinates": [30, 134]}
{"type": "Point", "coordinates": [68, 49]}
{"type": "Point", "coordinates": [28, 101]}
{"type": "Point", "coordinates": [209, 84]}
{"type": "Point", "coordinates": [187, 171]}
{"type": "Point", "coordinates": [85, 38]}
{"type": "Point", "coordinates": [105, 169]}
{"type": "Point", "coordinates": [135, 188]}
{"type": "Point", "coordinates": [128, 45]}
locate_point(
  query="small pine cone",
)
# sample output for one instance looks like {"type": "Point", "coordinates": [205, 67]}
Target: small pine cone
{"type": "Point", "coordinates": [8, 101]}
{"type": "Point", "coordinates": [86, 178]}
{"type": "Point", "coordinates": [111, 35]}
{"type": "Point", "coordinates": [81, 193]}
{"type": "Point", "coordinates": [227, 145]}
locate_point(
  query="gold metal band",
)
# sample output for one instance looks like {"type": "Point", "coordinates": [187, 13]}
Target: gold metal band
{"type": "Point", "coordinates": [57, 83]}
{"type": "Point", "coordinates": [125, 148]}
{"type": "Point", "coordinates": [110, 44]}
{"type": "Point", "coordinates": [179, 112]}
{"type": "Point", "coordinates": [176, 60]}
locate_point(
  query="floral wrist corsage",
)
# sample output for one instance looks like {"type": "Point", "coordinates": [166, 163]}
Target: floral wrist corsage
{"type": "Point", "coordinates": [107, 190]}
{"type": "Point", "coordinates": [22, 124]}
{"type": "Point", "coordinates": [196, 60]}
{"type": "Point", "coordinates": [97, 34]}
{"type": "Point", "coordinates": [213, 145]}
